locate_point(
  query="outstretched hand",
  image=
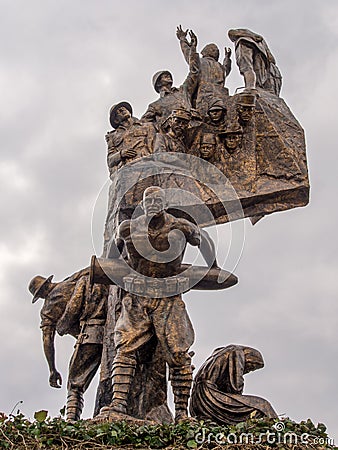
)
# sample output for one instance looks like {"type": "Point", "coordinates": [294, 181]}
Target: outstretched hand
{"type": "Point", "coordinates": [181, 34]}
{"type": "Point", "coordinates": [193, 38]}
{"type": "Point", "coordinates": [55, 379]}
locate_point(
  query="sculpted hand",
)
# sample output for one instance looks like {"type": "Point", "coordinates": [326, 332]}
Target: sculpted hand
{"type": "Point", "coordinates": [193, 38]}
{"type": "Point", "coordinates": [227, 52]}
{"type": "Point", "coordinates": [128, 153]}
{"type": "Point", "coordinates": [55, 379]}
{"type": "Point", "coordinates": [62, 327]}
{"type": "Point", "coordinates": [181, 34]}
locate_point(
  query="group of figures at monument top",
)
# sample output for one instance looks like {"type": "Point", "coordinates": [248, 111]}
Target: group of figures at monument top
{"type": "Point", "coordinates": [126, 310]}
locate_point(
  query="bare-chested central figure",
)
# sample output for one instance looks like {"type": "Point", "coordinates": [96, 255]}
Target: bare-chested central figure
{"type": "Point", "coordinates": [155, 243]}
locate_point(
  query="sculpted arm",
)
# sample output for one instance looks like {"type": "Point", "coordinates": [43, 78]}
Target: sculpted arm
{"type": "Point", "coordinates": [208, 250]}
{"type": "Point", "coordinates": [113, 158]}
{"type": "Point", "coordinates": [150, 115]}
{"type": "Point", "coordinates": [182, 37]}
{"type": "Point", "coordinates": [227, 61]}
{"type": "Point", "coordinates": [48, 335]}
{"type": "Point", "coordinates": [73, 309]}
{"type": "Point", "coordinates": [160, 144]}
{"type": "Point", "coordinates": [200, 238]}
{"type": "Point", "coordinates": [191, 81]}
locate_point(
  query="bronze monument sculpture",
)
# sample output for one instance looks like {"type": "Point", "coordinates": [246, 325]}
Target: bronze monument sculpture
{"type": "Point", "coordinates": [218, 387]}
{"type": "Point", "coordinates": [72, 307]}
{"type": "Point", "coordinates": [197, 157]}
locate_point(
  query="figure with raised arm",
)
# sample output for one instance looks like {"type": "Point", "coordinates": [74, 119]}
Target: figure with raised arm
{"type": "Point", "coordinates": [172, 98]}
{"type": "Point", "coordinates": [212, 73]}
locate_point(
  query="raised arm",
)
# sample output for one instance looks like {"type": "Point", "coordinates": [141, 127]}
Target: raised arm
{"type": "Point", "coordinates": [185, 46]}
{"type": "Point", "coordinates": [227, 61]}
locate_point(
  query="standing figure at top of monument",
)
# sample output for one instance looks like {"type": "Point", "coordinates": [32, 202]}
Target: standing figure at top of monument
{"type": "Point", "coordinates": [212, 73]}
{"type": "Point", "coordinates": [255, 61]}
{"type": "Point", "coordinates": [171, 97]}
{"type": "Point", "coordinates": [130, 138]}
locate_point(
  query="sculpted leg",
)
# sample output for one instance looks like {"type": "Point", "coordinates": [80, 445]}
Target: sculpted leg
{"type": "Point", "coordinates": [74, 405]}
{"type": "Point", "coordinates": [122, 377]}
{"type": "Point", "coordinates": [181, 380]}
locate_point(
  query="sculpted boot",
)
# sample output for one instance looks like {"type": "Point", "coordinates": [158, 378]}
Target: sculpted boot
{"type": "Point", "coordinates": [181, 379]}
{"type": "Point", "coordinates": [122, 377]}
{"type": "Point", "coordinates": [74, 405]}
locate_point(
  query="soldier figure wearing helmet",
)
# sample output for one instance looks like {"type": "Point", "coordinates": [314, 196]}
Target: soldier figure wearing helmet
{"type": "Point", "coordinates": [130, 138]}
{"type": "Point", "coordinates": [172, 98]}
{"type": "Point", "coordinates": [72, 307]}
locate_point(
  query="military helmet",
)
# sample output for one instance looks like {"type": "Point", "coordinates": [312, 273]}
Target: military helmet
{"type": "Point", "coordinates": [113, 111]}
{"type": "Point", "coordinates": [37, 284]}
{"type": "Point", "coordinates": [217, 104]}
{"type": "Point", "coordinates": [157, 76]}
{"type": "Point", "coordinates": [234, 129]}
{"type": "Point", "coordinates": [208, 138]}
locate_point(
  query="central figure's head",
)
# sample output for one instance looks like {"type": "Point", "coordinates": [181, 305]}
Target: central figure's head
{"type": "Point", "coordinates": [153, 201]}
{"type": "Point", "coordinates": [211, 51]}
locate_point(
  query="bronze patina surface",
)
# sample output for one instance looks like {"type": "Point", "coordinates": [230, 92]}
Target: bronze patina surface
{"type": "Point", "coordinates": [197, 157]}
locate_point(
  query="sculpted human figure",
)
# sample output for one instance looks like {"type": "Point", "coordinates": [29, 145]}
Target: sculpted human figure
{"type": "Point", "coordinates": [130, 138]}
{"type": "Point", "coordinates": [171, 97]}
{"type": "Point", "coordinates": [176, 138]}
{"type": "Point", "coordinates": [233, 138]}
{"type": "Point", "coordinates": [155, 244]}
{"type": "Point", "coordinates": [245, 105]}
{"type": "Point", "coordinates": [218, 387]}
{"type": "Point", "coordinates": [255, 61]}
{"type": "Point", "coordinates": [72, 307]}
{"type": "Point", "coordinates": [216, 117]}
{"type": "Point", "coordinates": [212, 73]}
{"type": "Point", "coordinates": [210, 149]}
{"type": "Point", "coordinates": [208, 144]}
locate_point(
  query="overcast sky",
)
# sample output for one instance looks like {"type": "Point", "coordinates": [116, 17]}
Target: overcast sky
{"type": "Point", "coordinates": [63, 63]}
